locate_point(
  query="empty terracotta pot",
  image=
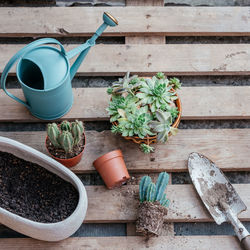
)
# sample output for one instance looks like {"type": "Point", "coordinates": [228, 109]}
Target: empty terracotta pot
{"type": "Point", "coordinates": [112, 169]}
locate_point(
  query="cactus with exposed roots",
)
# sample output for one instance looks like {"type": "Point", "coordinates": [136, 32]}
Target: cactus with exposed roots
{"type": "Point", "coordinates": [151, 192]}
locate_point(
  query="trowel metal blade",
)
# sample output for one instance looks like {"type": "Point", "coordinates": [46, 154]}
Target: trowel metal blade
{"type": "Point", "coordinates": [215, 190]}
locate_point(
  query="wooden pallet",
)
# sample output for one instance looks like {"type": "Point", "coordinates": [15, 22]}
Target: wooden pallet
{"type": "Point", "coordinates": [145, 53]}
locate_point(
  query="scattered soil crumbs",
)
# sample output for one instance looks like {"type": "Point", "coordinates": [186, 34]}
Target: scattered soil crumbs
{"type": "Point", "coordinates": [31, 191]}
{"type": "Point", "coordinates": [150, 218]}
{"type": "Point", "coordinates": [60, 153]}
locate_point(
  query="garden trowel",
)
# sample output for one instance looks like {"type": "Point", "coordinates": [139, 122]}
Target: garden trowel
{"type": "Point", "coordinates": [218, 194]}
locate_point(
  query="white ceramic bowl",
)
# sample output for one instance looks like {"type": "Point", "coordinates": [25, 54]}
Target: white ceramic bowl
{"type": "Point", "coordinates": [44, 231]}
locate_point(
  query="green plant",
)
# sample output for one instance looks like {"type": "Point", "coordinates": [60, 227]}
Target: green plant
{"type": "Point", "coordinates": [65, 126]}
{"type": "Point", "coordinates": [162, 126]}
{"type": "Point", "coordinates": [65, 135]}
{"type": "Point", "coordinates": [125, 84]}
{"type": "Point", "coordinates": [148, 191]}
{"type": "Point", "coordinates": [135, 123]}
{"type": "Point", "coordinates": [157, 93]}
{"type": "Point", "coordinates": [146, 148]}
{"type": "Point", "coordinates": [134, 106]}
{"type": "Point", "coordinates": [175, 83]}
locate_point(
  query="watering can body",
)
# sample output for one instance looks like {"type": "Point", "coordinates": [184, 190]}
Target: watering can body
{"type": "Point", "coordinates": [45, 74]}
{"type": "Point", "coordinates": [46, 84]}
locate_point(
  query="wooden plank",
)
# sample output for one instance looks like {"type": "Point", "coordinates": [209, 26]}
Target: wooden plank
{"type": "Point", "coordinates": [120, 205]}
{"type": "Point", "coordinates": [145, 39]}
{"type": "Point", "coordinates": [229, 148]}
{"type": "Point", "coordinates": [162, 242]}
{"type": "Point", "coordinates": [90, 104]}
{"type": "Point", "coordinates": [147, 59]}
{"type": "Point", "coordinates": [165, 21]}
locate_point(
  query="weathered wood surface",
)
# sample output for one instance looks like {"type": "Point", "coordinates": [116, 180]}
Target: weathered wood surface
{"type": "Point", "coordinates": [34, 22]}
{"type": "Point", "coordinates": [120, 205]}
{"type": "Point", "coordinates": [90, 104]}
{"type": "Point", "coordinates": [113, 243]}
{"type": "Point", "coordinates": [229, 148]}
{"type": "Point", "coordinates": [173, 59]}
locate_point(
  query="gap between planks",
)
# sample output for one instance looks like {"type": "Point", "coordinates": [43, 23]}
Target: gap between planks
{"type": "Point", "coordinates": [147, 59]}
{"type": "Point", "coordinates": [111, 243]}
{"type": "Point", "coordinates": [228, 148]}
{"type": "Point", "coordinates": [198, 103]}
{"type": "Point", "coordinates": [146, 20]}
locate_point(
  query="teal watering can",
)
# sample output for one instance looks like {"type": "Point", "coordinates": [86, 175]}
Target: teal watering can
{"type": "Point", "coordinates": [45, 74]}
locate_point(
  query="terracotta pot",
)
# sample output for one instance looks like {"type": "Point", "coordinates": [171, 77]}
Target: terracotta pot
{"type": "Point", "coordinates": [153, 139]}
{"type": "Point", "coordinates": [112, 169]}
{"type": "Point", "coordinates": [71, 162]}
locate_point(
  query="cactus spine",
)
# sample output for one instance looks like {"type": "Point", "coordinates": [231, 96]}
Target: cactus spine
{"type": "Point", "coordinates": [161, 185]}
{"type": "Point", "coordinates": [143, 186]}
{"type": "Point", "coordinates": [77, 131]}
{"type": "Point", "coordinates": [66, 141]}
{"type": "Point", "coordinates": [151, 192]}
{"type": "Point", "coordinates": [53, 133]}
{"type": "Point", "coordinates": [65, 126]}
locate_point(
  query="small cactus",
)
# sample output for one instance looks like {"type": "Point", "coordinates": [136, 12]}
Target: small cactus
{"type": "Point", "coordinates": [143, 186]}
{"type": "Point", "coordinates": [150, 192]}
{"type": "Point", "coordinates": [53, 133]}
{"type": "Point", "coordinates": [66, 135]}
{"type": "Point", "coordinates": [77, 131]}
{"type": "Point", "coordinates": [66, 141]}
{"type": "Point", "coordinates": [65, 126]}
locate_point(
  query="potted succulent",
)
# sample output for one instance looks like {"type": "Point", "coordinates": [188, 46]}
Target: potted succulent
{"type": "Point", "coordinates": [153, 205]}
{"type": "Point", "coordinates": [145, 110]}
{"type": "Point", "coordinates": [65, 142]}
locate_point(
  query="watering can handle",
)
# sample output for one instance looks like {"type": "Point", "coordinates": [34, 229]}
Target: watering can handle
{"type": "Point", "coordinates": [13, 60]}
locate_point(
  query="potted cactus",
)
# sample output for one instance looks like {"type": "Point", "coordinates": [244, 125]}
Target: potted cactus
{"type": "Point", "coordinates": [145, 110]}
{"type": "Point", "coordinates": [65, 142]}
{"type": "Point", "coordinates": [153, 205]}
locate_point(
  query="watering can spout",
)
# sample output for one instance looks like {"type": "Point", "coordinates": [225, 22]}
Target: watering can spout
{"type": "Point", "coordinates": [108, 20]}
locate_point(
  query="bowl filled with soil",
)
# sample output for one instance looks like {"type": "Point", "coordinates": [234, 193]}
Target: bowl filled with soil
{"type": "Point", "coordinates": [38, 197]}
{"type": "Point", "coordinates": [153, 205]}
{"type": "Point", "coordinates": [65, 142]}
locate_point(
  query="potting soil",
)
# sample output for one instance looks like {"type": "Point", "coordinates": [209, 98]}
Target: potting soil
{"type": "Point", "coordinates": [33, 192]}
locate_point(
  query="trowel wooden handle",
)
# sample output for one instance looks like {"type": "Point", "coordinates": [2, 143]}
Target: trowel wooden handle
{"type": "Point", "coordinates": [245, 243]}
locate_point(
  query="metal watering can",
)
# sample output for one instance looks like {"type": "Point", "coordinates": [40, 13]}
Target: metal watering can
{"type": "Point", "coordinates": [45, 74]}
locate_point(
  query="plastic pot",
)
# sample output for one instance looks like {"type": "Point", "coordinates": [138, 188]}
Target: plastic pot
{"type": "Point", "coordinates": [70, 162]}
{"type": "Point", "coordinates": [112, 169]}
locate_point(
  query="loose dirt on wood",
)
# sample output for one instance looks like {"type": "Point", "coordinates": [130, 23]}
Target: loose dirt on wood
{"type": "Point", "coordinates": [33, 192]}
